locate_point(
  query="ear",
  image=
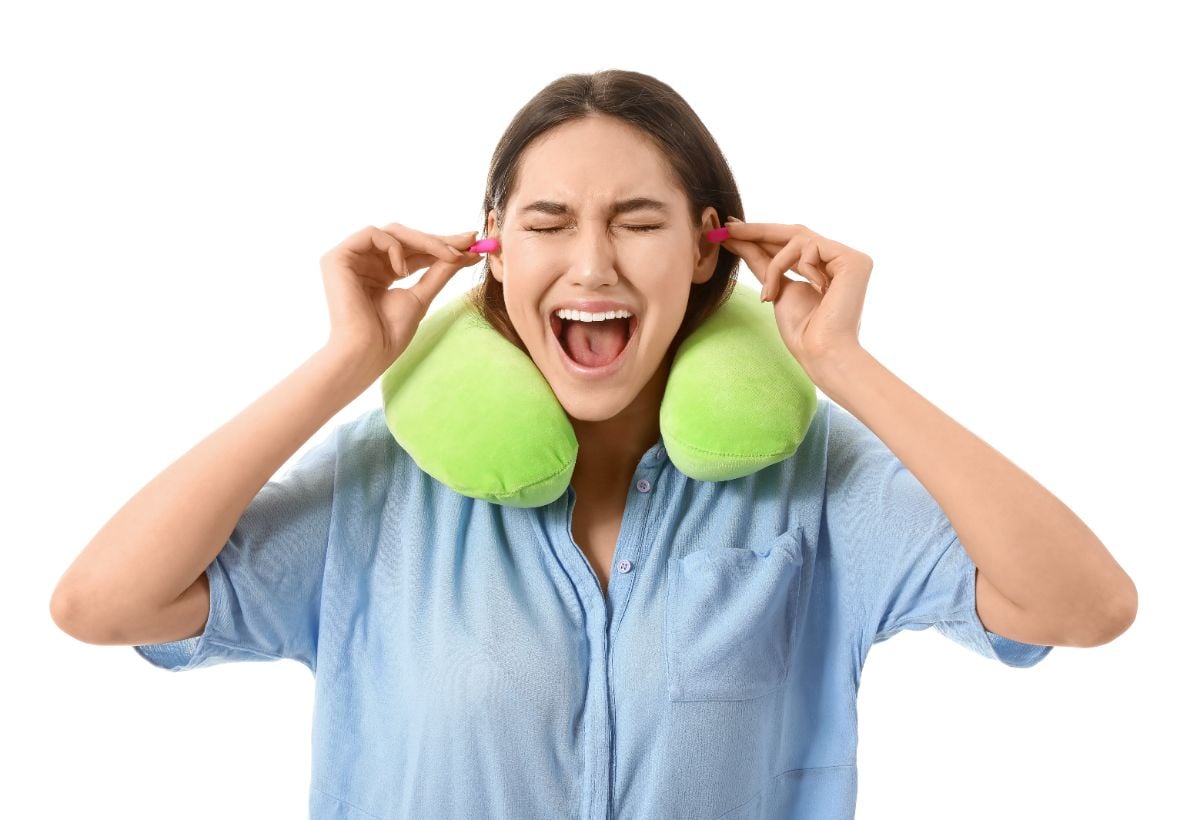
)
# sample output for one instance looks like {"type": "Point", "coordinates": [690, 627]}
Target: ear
{"type": "Point", "coordinates": [495, 258]}
{"type": "Point", "coordinates": [706, 252]}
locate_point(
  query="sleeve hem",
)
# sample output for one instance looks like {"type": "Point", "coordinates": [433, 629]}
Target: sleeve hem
{"type": "Point", "coordinates": [196, 651]}
{"type": "Point", "coordinates": [965, 625]}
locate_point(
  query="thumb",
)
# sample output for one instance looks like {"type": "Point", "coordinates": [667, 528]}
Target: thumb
{"type": "Point", "coordinates": [462, 241]}
{"type": "Point", "coordinates": [439, 273]}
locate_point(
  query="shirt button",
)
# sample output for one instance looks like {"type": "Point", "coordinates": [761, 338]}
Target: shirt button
{"type": "Point", "coordinates": [643, 485]}
{"type": "Point", "coordinates": [624, 566]}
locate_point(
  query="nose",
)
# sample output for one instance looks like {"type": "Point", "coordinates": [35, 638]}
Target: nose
{"type": "Point", "coordinates": [592, 257]}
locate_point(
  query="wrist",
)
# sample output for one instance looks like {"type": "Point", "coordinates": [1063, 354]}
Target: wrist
{"type": "Point", "coordinates": [351, 370]}
{"type": "Point", "coordinates": [837, 371]}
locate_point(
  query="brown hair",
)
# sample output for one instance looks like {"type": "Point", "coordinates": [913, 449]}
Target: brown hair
{"type": "Point", "coordinates": [655, 108]}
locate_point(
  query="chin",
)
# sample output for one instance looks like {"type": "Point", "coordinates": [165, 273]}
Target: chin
{"type": "Point", "coordinates": [595, 397]}
{"type": "Point", "coordinates": [593, 405]}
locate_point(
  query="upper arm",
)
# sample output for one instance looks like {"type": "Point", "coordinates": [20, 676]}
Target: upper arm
{"type": "Point", "coordinates": [261, 597]}
{"type": "Point", "coordinates": [185, 617]}
{"type": "Point", "coordinates": [996, 613]}
{"type": "Point", "coordinates": [901, 561]}
{"type": "Point", "coordinates": [1001, 616]}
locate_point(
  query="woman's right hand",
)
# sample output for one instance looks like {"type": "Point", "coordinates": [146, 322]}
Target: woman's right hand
{"type": "Point", "coordinates": [369, 321]}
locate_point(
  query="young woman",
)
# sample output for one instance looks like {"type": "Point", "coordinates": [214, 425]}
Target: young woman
{"type": "Point", "coordinates": [647, 645]}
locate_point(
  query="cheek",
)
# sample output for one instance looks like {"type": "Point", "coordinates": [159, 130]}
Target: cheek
{"type": "Point", "coordinates": [524, 295]}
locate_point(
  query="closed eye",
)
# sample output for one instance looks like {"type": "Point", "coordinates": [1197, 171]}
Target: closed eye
{"type": "Point", "coordinates": [642, 228]}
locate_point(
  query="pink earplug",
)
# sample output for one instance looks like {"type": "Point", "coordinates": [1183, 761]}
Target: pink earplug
{"type": "Point", "coordinates": [717, 235]}
{"type": "Point", "coordinates": [484, 245]}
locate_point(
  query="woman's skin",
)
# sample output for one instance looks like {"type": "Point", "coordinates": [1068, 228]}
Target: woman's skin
{"type": "Point", "coordinates": [588, 165]}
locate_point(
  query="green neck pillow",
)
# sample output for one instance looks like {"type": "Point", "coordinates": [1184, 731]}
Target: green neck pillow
{"type": "Point", "coordinates": [474, 411]}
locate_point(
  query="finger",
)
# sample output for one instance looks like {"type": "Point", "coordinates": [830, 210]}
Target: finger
{"type": "Point", "coordinates": [820, 250]}
{"type": "Point", "coordinates": [384, 241]}
{"type": "Point", "coordinates": [785, 259]}
{"type": "Point", "coordinates": [366, 241]}
{"type": "Point", "coordinates": [440, 272]}
{"type": "Point", "coordinates": [766, 232]}
{"type": "Point", "coordinates": [806, 266]}
{"type": "Point", "coordinates": [830, 249]}
{"type": "Point", "coordinates": [462, 241]}
{"type": "Point", "coordinates": [773, 249]}
{"type": "Point", "coordinates": [396, 254]}
{"type": "Point", "coordinates": [414, 262]}
{"type": "Point", "coordinates": [809, 269]}
{"type": "Point", "coordinates": [419, 261]}
{"type": "Point", "coordinates": [754, 256]}
{"type": "Point", "coordinates": [451, 239]}
{"type": "Point", "coordinates": [389, 246]}
{"type": "Point", "coordinates": [413, 239]}
{"type": "Point", "coordinates": [403, 265]}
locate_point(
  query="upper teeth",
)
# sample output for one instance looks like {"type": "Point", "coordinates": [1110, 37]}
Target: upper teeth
{"type": "Point", "coordinates": [583, 316]}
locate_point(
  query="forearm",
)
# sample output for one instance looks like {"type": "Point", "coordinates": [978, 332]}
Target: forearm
{"type": "Point", "coordinates": [164, 537]}
{"type": "Point", "coordinates": [1023, 539]}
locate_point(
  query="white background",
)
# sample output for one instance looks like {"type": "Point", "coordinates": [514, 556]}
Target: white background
{"type": "Point", "coordinates": [1024, 176]}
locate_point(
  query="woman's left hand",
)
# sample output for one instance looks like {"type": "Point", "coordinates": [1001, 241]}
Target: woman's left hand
{"type": "Point", "coordinates": [818, 319]}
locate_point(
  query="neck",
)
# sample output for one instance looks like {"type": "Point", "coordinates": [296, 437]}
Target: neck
{"type": "Point", "coordinates": [609, 450]}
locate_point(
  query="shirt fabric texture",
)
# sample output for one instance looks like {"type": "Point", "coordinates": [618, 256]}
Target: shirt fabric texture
{"type": "Point", "coordinates": [467, 664]}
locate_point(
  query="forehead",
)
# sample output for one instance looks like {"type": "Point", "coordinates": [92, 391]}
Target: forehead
{"type": "Point", "coordinates": [594, 164]}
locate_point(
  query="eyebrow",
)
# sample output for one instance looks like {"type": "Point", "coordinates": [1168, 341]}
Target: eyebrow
{"type": "Point", "coordinates": [637, 203]}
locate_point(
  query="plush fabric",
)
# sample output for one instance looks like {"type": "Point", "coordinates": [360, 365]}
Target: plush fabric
{"type": "Point", "coordinates": [475, 412]}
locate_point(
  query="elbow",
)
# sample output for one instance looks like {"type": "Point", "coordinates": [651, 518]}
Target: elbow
{"type": "Point", "coordinates": [1126, 613]}
{"type": "Point", "coordinates": [62, 610]}
{"type": "Point", "coordinates": [67, 614]}
{"type": "Point", "coordinates": [1120, 612]}
{"type": "Point", "coordinates": [1109, 633]}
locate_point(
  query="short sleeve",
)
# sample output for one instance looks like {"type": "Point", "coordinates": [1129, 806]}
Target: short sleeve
{"type": "Point", "coordinates": [265, 584]}
{"type": "Point", "coordinates": [901, 563]}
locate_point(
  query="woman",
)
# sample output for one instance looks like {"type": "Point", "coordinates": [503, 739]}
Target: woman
{"type": "Point", "coordinates": [477, 660]}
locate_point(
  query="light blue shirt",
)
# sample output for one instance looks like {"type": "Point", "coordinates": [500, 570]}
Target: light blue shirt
{"type": "Point", "coordinates": [467, 664]}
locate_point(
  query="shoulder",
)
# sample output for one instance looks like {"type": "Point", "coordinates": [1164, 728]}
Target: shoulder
{"type": "Point", "coordinates": [808, 463]}
{"type": "Point", "coordinates": [366, 447]}
{"type": "Point", "coordinates": [854, 453]}
{"type": "Point", "coordinates": [370, 426]}
{"type": "Point", "coordinates": [846, 433]}
{"type": "Point", "coordinates": [379, 464]}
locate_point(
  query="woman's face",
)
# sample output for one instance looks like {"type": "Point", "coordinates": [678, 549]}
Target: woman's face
{"type": "Point", "coordinates": [571, 179]}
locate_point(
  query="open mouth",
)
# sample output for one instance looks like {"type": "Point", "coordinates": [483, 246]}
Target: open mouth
{"type": "Point", "coordinates": [593, 348]}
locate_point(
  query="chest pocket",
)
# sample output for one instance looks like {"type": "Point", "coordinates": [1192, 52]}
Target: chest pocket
{"type": "Point", "coordinates": [730, 614]}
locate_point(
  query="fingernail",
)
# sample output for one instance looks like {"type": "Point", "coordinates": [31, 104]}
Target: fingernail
{"type": "Point", "coordinates": [733, 219]}
{"type": "Point", "coordinates": [717, 235]}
